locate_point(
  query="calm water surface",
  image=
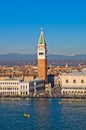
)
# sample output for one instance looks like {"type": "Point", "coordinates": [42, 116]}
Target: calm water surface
{"type": "Point", "coordinates": [45, 114]}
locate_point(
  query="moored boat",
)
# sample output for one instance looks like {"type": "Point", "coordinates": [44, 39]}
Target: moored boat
{"type": "Point", "coordinates": [26, 115]}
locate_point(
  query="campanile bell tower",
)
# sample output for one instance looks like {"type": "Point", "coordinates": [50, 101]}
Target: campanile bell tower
{"type": "Point", "coordinates": [42, 57]}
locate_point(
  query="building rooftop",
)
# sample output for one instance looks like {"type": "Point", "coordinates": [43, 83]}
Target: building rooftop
{"type": "Point", "coordinates": [77, 73]}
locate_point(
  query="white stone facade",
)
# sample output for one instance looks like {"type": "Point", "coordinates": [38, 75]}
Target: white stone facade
{"type": "Point", "coordinates": [14, 87]}
{"type": "Point", "coordinates": [73, 84]}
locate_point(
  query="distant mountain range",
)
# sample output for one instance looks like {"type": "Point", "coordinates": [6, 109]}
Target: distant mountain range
{"type": "Point", "coordinates": [33, 57]}
{"type": "Point", "coordinates": [17, 57]}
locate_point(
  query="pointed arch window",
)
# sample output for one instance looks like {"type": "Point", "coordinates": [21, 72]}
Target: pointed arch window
{"type": "Point", "coordinates": [74, 81]}
{"type": "Point", "coordinates": [82, 81]}
{"type": "Point", "coordinates": [67, 81]}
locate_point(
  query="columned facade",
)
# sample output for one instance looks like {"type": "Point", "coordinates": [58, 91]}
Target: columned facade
{"type": "Point", "coordinates": [73, 84]}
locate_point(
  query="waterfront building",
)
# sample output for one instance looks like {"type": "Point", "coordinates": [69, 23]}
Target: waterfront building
{"type": "Point", "coordinates": [42, 57]}
{"type": "Point", "coordinates": [15, 87]}
{"type": "Point", "coordinates": [9, 87]}
{"type": "Point", "coordinates": [23, 88]}
{"type": "Point", "coordinates": [74, 83]}
{"type": "Point", "coordinates": [36, 86]}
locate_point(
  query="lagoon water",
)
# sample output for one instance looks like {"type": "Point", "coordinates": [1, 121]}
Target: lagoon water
{"type": "Point", "coordinates": [45, 114]}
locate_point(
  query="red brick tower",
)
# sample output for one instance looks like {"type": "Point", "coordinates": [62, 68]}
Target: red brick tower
{"type": "Point", "coordinates": [42, 57]}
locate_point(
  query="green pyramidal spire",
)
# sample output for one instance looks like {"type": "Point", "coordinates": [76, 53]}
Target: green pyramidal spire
{"type": "Point", "coordinates": [41, 38]}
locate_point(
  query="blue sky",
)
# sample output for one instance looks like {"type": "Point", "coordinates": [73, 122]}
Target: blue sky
{"type": "Point", "coordinates": [64, 23]}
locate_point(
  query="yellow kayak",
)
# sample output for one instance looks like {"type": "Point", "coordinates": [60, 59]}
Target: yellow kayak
{"type": "Point", "coordinates": [26, 115]}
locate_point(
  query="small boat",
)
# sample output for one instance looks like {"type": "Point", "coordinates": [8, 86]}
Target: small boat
{"type": "Point", "coordinates": [26, 115]}
{"type": "Point", "coordinates": [59, 102]}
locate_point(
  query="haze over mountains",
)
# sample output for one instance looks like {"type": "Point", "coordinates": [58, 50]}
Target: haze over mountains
{"type": "Point", "coordinates": [33, 57]}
